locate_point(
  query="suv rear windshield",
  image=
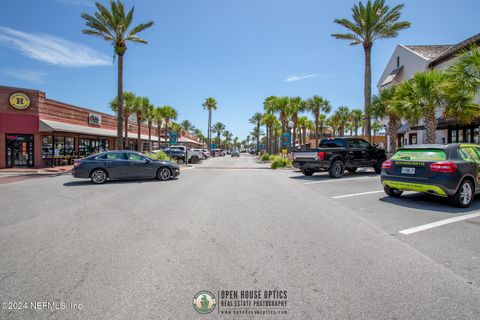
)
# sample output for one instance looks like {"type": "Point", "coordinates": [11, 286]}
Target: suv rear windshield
{"type": "Point", "coordinates": [332, 143]}
{"type": "Point", "coordinates": [420, 155]}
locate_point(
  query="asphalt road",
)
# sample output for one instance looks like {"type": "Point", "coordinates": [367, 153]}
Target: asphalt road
{"type": "Point", "coordinates": [142, 249]}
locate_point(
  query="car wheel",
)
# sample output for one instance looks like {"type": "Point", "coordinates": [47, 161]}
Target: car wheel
{"type": "Point", "coordinates": [337, 169]}
{"type": "Point", "coordinates": [194, 159]}
{"type": "Point", "coordinates": [378, 166]}
{"type": "Point", "coordinates": [307, 172]}
{"type": "Point", "coordinates": [98, 176]}
{"type": "Point", "coordinates": [393, 192]}
{"type": "Point", "coordinates": [352, 170]}
{"type": "Point", "coordinates": [464, 196]}
{"type": "Point", "coordinates": [180, 160]}
{"type": "Point", "coordinates": [164, 174]}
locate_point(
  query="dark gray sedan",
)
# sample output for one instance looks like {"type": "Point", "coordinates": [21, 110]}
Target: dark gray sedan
{"type": "Point", "coordinates": [123, 165]}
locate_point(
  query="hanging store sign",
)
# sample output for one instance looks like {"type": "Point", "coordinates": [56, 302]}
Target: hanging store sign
{"type": "Point", "coordinates": [19, 101]}
{"type": "Point", "coordinates": [94, 119]}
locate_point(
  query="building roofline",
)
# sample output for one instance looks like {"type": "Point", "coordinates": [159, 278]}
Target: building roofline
{"type": "Point", "coordinates": [475, 39]}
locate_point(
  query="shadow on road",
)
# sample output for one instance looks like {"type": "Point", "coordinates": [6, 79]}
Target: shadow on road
{"type": "Point", "coordinates": [325, 176]}
{"type": "Point", "coordinates": [129, 181]}
{"type": "Point", "coordinates": [422, 201]}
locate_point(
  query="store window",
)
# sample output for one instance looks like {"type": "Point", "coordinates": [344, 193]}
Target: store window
{"type": "Point", "coordinates": [47, 150]}
{"type": "Point", "coordinates": [64, 146]}
{"type": "Point", "coordinates": [88, 147]}
{"type": "Point", "coordinates": [412, 138]}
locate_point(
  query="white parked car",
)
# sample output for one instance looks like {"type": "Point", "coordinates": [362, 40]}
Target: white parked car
{"type": "Point", "coordinates": [192, 156]}
{"type": "Point", "coordinates": [203, 156]}
{"type": "Point", "coordinates": [206, 153]}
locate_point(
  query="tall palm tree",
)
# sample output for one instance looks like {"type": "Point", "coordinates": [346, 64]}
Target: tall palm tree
{"type": "Point", "coordinates": [386, 106]}
{"type": "Point", "coordinates": [342, 114]}
{"type": "Point", "coordinates": [130, 101]}
{"type": "Point", "coordinates": [429, 92]}
{"type": "Point", "coordinates": [150, 118]}
{"type": "Point", "coordinates": [376, 127]}
{"type": "Point", "coordinates": [302, 123]}
{"type": "Point", "coordinates": [209, 104]}
{"type": "Point", "coordinates": [373, 21]}
{"type": "Point", "coordinates": [296, 105]}
{"type": "Point", "coordinates": [316, 105]}
{"type": "Point", "coordinates": [218, 128]}
{"type": "Point", "coordinates": [268, 120]}
{"type": "Point", "coordinates": [321, 123]}
{"type": "Point", "coordinates": [466, 71]}
{"type": "Point", "coordinates": [169, 114]}
{"type": "Point", "coordinates": [282, 106]}
{"type": "Point", "coordinates": [141, 108]}
{"type": "Point", "coordinates": [256, 120]}
{"type": "Point", "coordinates": [159, 119]}
{"type": "Point", "coordinates": [186, 126]}
{"type": "Point", "coordinates": [356, 118]}
{"type": "Point", "coordinates": [228, 138]}
{"type": "Point", "coordinates": [114, 26]}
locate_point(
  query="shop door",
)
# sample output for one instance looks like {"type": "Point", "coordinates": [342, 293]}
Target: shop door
{"type": "Point", "coordinates": [19, 150]}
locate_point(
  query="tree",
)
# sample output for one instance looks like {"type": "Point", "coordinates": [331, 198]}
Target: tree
{"type": "Point", "coordinates": [209, 104]}
{"type": "Point", "coordinates": [296, 105]}
{"type": "Point", "coordinates": [114, 26]}
{"type": "Point", "coordinates": [268, 120]}
{"type": "Point", "coordinates": [316, 105]}
{"type": "Point", "coordinates": [376, 127]}
{"type": "Point", "coordinates": [186, 126]}
{"type": "Point", "coordinates": [430, 92]}
{"type": "Point", "coordinates": [169, 114]}
{"type": "Point", "coordinates": [356, 119]}
{"type": "Point", "coordinates": [303, 124]}
{"type": "Point", "coordinates": [159, 118]}
{"type": "Point", "coordinates": [218, 128]}
{"type": "Point", "coordinates": [371, 22]}
{"type": "Point", "coordinates": [386, 106]}
{"type": "Point", "coordinates": [342, 115]}
{"type": "Point", "coordinates": [228, 138]}
{"type": "Point", "coordinates": [256, 120]}
{"type": "Point", "coordinates": [141, 108]}
{"type": "Point", "coordinates": [150, 118]}
{"type": "Point", "coordinates": [465, 72]}
{"type": "Point", "coordinates": [130, 101]}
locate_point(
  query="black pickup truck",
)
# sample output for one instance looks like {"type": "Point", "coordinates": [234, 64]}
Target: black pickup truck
{"type": "Point", "coordinates": [336, 155]}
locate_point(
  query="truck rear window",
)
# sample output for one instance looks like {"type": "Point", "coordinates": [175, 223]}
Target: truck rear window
{"type": "Point", "coordinates": [332, 143]}
{"type": "Point", "coordinates": [420, 155]}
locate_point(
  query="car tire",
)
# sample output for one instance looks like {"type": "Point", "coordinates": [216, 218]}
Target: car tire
{"type": "Point", "coordinates": [337, 169]}
{"type": "Point", "coordinates": [378, 165]}
{"type": "Point", "coordinates": [352, 170]}
{"type": "Point", "coordinates": [194, 159]}
{"type": "Point", "coordinates": [392, 192]}
{"type": "Point", "coordinates": [308, 172]}
{"type": "Point", "coordinates": [164, 174]}
{"type": "Point", "coordinates": [464, 196]}
{"type": "Point", "coordinates": [98, 176]}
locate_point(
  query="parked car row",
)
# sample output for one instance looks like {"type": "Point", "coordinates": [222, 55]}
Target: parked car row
{"type": "Point", "coordinates": [451, 171]}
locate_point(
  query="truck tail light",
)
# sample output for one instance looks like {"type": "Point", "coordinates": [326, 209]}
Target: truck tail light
{"type": "Point", "coordinates": [387, 164]}
{"type": "Point", "coordinates": [321, 155]}
{"type": "Point", "coordinates": [443, 166]}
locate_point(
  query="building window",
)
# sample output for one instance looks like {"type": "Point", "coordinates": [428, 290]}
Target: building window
{"type": "Point", "coordinates": [412, 138]}
{"type": "Point", "coordinates": [64, 146]}
{"type": "Point", "coordinates": [475, 135]}
{"type": "Point", "coordinates": [398, 62]}
{"type": "Point", "coordinates": [87, 147]}
{"type": "Point", "coordinates": [47, 147]}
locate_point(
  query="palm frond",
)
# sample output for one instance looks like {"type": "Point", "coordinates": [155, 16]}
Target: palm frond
{"type": "Point", "coordinates": [140, 28]}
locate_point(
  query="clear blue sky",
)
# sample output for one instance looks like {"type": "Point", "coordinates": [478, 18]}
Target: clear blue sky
{"type": "Point", "coordinates": [237, 51]}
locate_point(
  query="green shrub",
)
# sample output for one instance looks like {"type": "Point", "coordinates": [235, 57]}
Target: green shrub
{"type": "Point", "coordinates": [160, 155]}
{"type": "Point", "coordinates": [271, 157]}
{"type": "Point", "coordinates": [265, 157]}
{"type": "Point", "coordinates": [278, 162]}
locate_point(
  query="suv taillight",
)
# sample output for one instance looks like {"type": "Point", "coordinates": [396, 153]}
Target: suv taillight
{"type": "Point", "coordinates": [443, 166]}
{"type": "Point", "coordinates": [387, 164]}
{"type": "Point", "coordinates": [321, 155]}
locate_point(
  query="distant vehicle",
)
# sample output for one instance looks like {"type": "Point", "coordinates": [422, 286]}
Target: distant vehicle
{"type": "Point", "coordinates": [192, 156]}
{"type": "Point", "coordinates": [206, 153]}
{"type": "Point", "coordinates": [123, 165]}
{"type": "Point", "coordinates": [235, 153]}
{"type": "Point", "coordinates": [252, 151]}
{"type": "Point", "coordinates": [176, 154]}
{"type": "Point", "coordinates": [201, 153]}
{"type": "Point", "coordinates": [336, 155]}
{"type": "Point", "coordinates": [218, 152]}
{"type": "Point", "coordinates": [451, 171]}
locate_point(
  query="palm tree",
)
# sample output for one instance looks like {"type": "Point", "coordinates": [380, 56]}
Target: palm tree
{"type": "Point", "coordinates": [316, 105]}
{"type": "Point", "coordinates": [321, 123]}
{"type": "Point", "coordinates": [256, 120]}
{"type": "Point", "coordinates": [149, 117]}
{"type": "Point", "coordinates": [235, 142]}
{"type": "Point", "coordinates": [376, 127]}
{"type": "Point", "coordinates": [141, 109]}
{"type": "Point", "coordinates": [257, 133]}
{"type": "Point", "coordinates": [335, 121]}
{"type": "Point", "coordinates": [169, 114]}
{"type": "Point", "coordinates": [186, 126]}
{"type": "Point", "coordinates": [130, 101]}
{"type": "Point", "coordinates": [356, 119]}
{"type": "Point", "coordinates": [296, 105]}
{"type": "Point", "coordinates": [209, 104]}
{"type": "Point", "coordinates": [303, 122]}
{"type": "Point", "coordinates": [386, 106]}
{"type": "Point", "coordinates": [114, 26]}
{"type": "Point", "coordinates": [371, 22]}
{"type": "Point", "coordinates": [228, 138]}
{"type": "Point", "coordinates": [159, 118]}
{"type": "Point", "coordinates": [431, 91]}
{"type": "Point", "coordinates": [342, 114]}
{"type": "Point", "coordinates": [218, 128]}
{"type": "Point", "coordinates": [277, 132]}
{"type": "Point", "coordinates": [466, 71]}
{"type": "Point", "coordinates": [268, 120]}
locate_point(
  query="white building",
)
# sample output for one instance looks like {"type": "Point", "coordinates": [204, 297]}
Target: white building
{"type": "Point", "coordinates": [407, 60]}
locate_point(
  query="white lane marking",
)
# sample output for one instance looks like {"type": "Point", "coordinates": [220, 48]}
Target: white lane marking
{"type": "Point", "coordinates": [439, 223]}
{"type": "Point", "coordinates": [338, 180]}
{"type": "Point", "coordinates": [356, 194]}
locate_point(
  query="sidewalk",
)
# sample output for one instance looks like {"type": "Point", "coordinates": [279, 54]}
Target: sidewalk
{"type": "Point", "coordinates": [18, 171]}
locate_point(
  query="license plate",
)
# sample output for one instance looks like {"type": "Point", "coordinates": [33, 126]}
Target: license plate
{"type": "Point", "coordinates": [408, 170]}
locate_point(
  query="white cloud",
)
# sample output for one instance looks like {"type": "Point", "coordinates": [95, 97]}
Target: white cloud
{"type": "Point", "coordinates": [27, 75]}
{"type": "Point", "coordinates": [52, 50]}
{"type": "Point", "coordinates": [302, 76]}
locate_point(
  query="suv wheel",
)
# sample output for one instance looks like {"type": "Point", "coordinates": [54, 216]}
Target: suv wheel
{"type": "Point", "coordinates": [164, 174]}
{"type": "Point", "coordinates": [337, 169]}
{"type": "Point", "coordinates": [307, 172]}
{"type": "Point", "coordinates": [392, 192]}
{"type": "Point", "coordinates": [194, 159]}
{"type": "Point", "coordinates": [463, 198]}
{"type": "Point", "coordinates": [98, 176]}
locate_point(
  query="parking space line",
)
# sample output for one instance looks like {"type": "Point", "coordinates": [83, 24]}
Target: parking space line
{"type": "Point", "coordinates": [356, 194]}
{"type": "Point", "coordinates": [338, 180]}
{"type": "Point", "coordinates": [439, 223]}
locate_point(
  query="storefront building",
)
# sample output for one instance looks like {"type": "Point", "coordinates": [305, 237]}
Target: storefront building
{"type": "Point", "coordinates": [39, 132]}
